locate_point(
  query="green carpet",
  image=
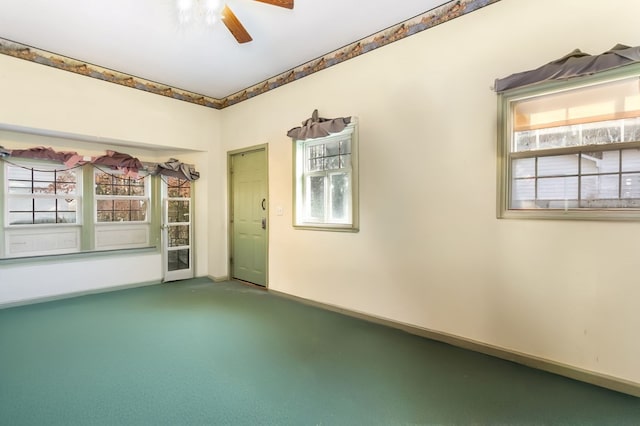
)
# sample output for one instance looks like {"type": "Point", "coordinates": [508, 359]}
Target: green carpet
{"type": "Point", "coordinates": [198, 353]}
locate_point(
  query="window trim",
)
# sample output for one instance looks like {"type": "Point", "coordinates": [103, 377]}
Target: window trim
{"type": "Point", "coordinates": [298, 184]}
{"type": "Point", "coordinates": [69, 234]}
{"type": "Point", "coordinates": [47, 167]}
{"type": "Point", "coordinates": [504, 155]}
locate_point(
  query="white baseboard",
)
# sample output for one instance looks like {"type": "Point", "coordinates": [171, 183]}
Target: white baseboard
{"type": "Point", "coordinates": [218, 279]}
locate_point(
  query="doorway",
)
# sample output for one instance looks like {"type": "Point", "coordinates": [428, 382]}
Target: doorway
{"type": "Point", "coordinates": [248, 215]}
{"type": "Point", "coordinates": [177, 229]}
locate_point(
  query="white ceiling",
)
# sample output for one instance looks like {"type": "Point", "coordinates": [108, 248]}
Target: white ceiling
{"type": "Point", "coordinates": [142, 37]}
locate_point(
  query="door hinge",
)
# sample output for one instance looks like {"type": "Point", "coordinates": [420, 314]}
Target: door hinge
{"type": "Point", "coordinates": [231, 260]}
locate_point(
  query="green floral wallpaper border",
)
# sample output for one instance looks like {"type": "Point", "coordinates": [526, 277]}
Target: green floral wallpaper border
{"type": "Point", "coordinates": [422, 22]}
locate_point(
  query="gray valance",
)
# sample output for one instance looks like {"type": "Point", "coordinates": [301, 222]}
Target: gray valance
{"type": "Point", "coordinates": [176, 168]}
{"type": "Point", "coordinates": [574, 64]}
{"type": "Point", "coordinates": [318, 127]}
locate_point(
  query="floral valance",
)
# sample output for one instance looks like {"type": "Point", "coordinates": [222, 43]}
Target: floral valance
{"type": "Point", "coordinates": [112, 159]}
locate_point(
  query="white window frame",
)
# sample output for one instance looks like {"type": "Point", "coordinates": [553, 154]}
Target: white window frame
{"type": "Point", "coordinates": [506, 155]}
{"type": "Point", "coordinates": [38, 239]}
{"type": "Point", "coordinates": [301, 217]}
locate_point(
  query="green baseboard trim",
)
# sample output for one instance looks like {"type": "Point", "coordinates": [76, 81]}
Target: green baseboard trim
{"type": "Point", "coordinates": [218, 279]}
{"type": "Point", "coordinates": [31, 301]}
{"type": "Point", "coordinates": [598, 379]}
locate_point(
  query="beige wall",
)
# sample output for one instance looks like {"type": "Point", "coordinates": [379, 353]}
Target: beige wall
{"type": "Point", "coordinates": [99, 116]}
{"type": "Point", "coordinates": [431, 252]}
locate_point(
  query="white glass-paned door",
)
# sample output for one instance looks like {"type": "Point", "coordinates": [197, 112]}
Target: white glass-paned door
{"type": "Point", "coordinates": [177, 229]}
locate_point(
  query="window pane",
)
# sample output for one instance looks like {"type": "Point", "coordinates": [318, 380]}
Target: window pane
{"type": "Point", "coordinates": [345, 146]}
{"type": "Point", "coordinates": [66, 217]}
{"type": "Point", "coordinates": [45, 204]}
{"type": "Point", "coordinates": [601, 132]}
{"type": "Point", "coordinates": [603, 102]}
{"type": "Point", "coordinates": [105, 216]}
{"type": "Point", "coordinates": [120, 190]}
{"type": "Point", "coordinates": [339, 197]}
{"type": "Point", "coordinates": [107, 212]}
{"type": "Point", "coordinates": [20, 218]}
{"type": "Point", "coordinates": [18, 173]}
{"type": "Point", "coordinates": [44, 176]}
{"type": "Point", "coordinates": [138, 215]}
{"type": "Point", "coordinates": [630, 186]}
{"type": "Point", "coordinates": [558, 137]}
{"type": "Point", "coordinates": [600, 162]}
{"type": "Point", "coordinates": [523, 193]}
{"type": "Point", "coordinates": [178, 188]}
{"type": "Point", "coordinates": [45, 217]}
{"type": "Point", "coordinates": [20, 204]}
{"type": "Point", "coordinates": [562, 188]}
{"type": "Point", "coordinates": [40, 187]}
{"type": "Point", "coordinates": [178, 211]}
{"type": "Point", "coordinates": [560, 165]}
{"type": "Point", "coordinates": [631, 160]}
{"type": "Point", "coordinates": [105, 205]}
{"type": "Point", "coordinates": [315, 189]}
{"type": "Point", "coordinates": [316, 165]}
{"type": "Point", "coordinates": [524, 167]}
{"type": "Point", "coordinates": [178, 235]}
{"type": "Point", "coordinates": [178, 259]}
{"type": "Point", "coordinates": [632, 130]}
{"type": "Point", "coordinates": [65, 187]}
{"type": "Point", "coordinates": [138, 205]}
{"type": "Point", "coordinates": [331, 163]}
{"type": "Point", "coordinates": [315, 151]}
{"type": "Point", "coordinates": [596, 188]}
{"type": "Point", "coordinates": [525, 141]}
{"type": "Point", "coordinates": [19, 187]}
{"type": "Point", "coordinates": [137, 190]}
{"type": "Point", "coordinates": [122, 204]}
{"type": "Point", "coordinates": [122, 216]}
{"type": "Point", "coordinates": [345, 161]}
{"type": "Point", "coordinates": [332, 148]}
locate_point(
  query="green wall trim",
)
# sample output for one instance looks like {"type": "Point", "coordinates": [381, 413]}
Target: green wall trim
{"type": "Point", "coordinates": [598, 379]}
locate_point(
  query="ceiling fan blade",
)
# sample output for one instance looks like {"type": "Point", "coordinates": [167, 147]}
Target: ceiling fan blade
{"type": "Point", "coordinates": [233, 24]}
{"type": "Point", "coordinates": [282, 3]}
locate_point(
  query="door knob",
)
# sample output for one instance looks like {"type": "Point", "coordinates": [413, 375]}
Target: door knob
{"type": "Point", "coordinates": [264, 223]}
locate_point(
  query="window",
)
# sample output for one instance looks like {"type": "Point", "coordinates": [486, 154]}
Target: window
{"type": "Point", "coordinates": [41, 194]}
{"type": "Point", "coordinates": [120, 198]}
{"type": "Point", "coordinates": [122, 218]}
{"type": "Point", "coordinates": [42, 209]}
{"type": "Point", "coordinates": [326, 184]}
{"type": "Point", "coordinates": [572, 151]}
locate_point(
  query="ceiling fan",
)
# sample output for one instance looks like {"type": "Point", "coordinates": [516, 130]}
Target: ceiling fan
{"type": "Point", "coordinates": [212, 10]}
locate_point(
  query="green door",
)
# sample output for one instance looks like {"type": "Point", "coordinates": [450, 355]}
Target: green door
{"type": "Point", "coordinates": [249, 216]}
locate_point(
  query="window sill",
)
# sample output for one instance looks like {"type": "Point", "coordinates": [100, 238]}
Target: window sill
{"type": "Point", "coordinates": [326, 227]}
{"type": "Point", "coordinates": [77, 255]}
{"type": "Point", "coordinates": [594, 215]}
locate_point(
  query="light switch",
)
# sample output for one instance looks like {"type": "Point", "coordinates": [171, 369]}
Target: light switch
{"type": "Point", "coordinates": [279, 211]}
